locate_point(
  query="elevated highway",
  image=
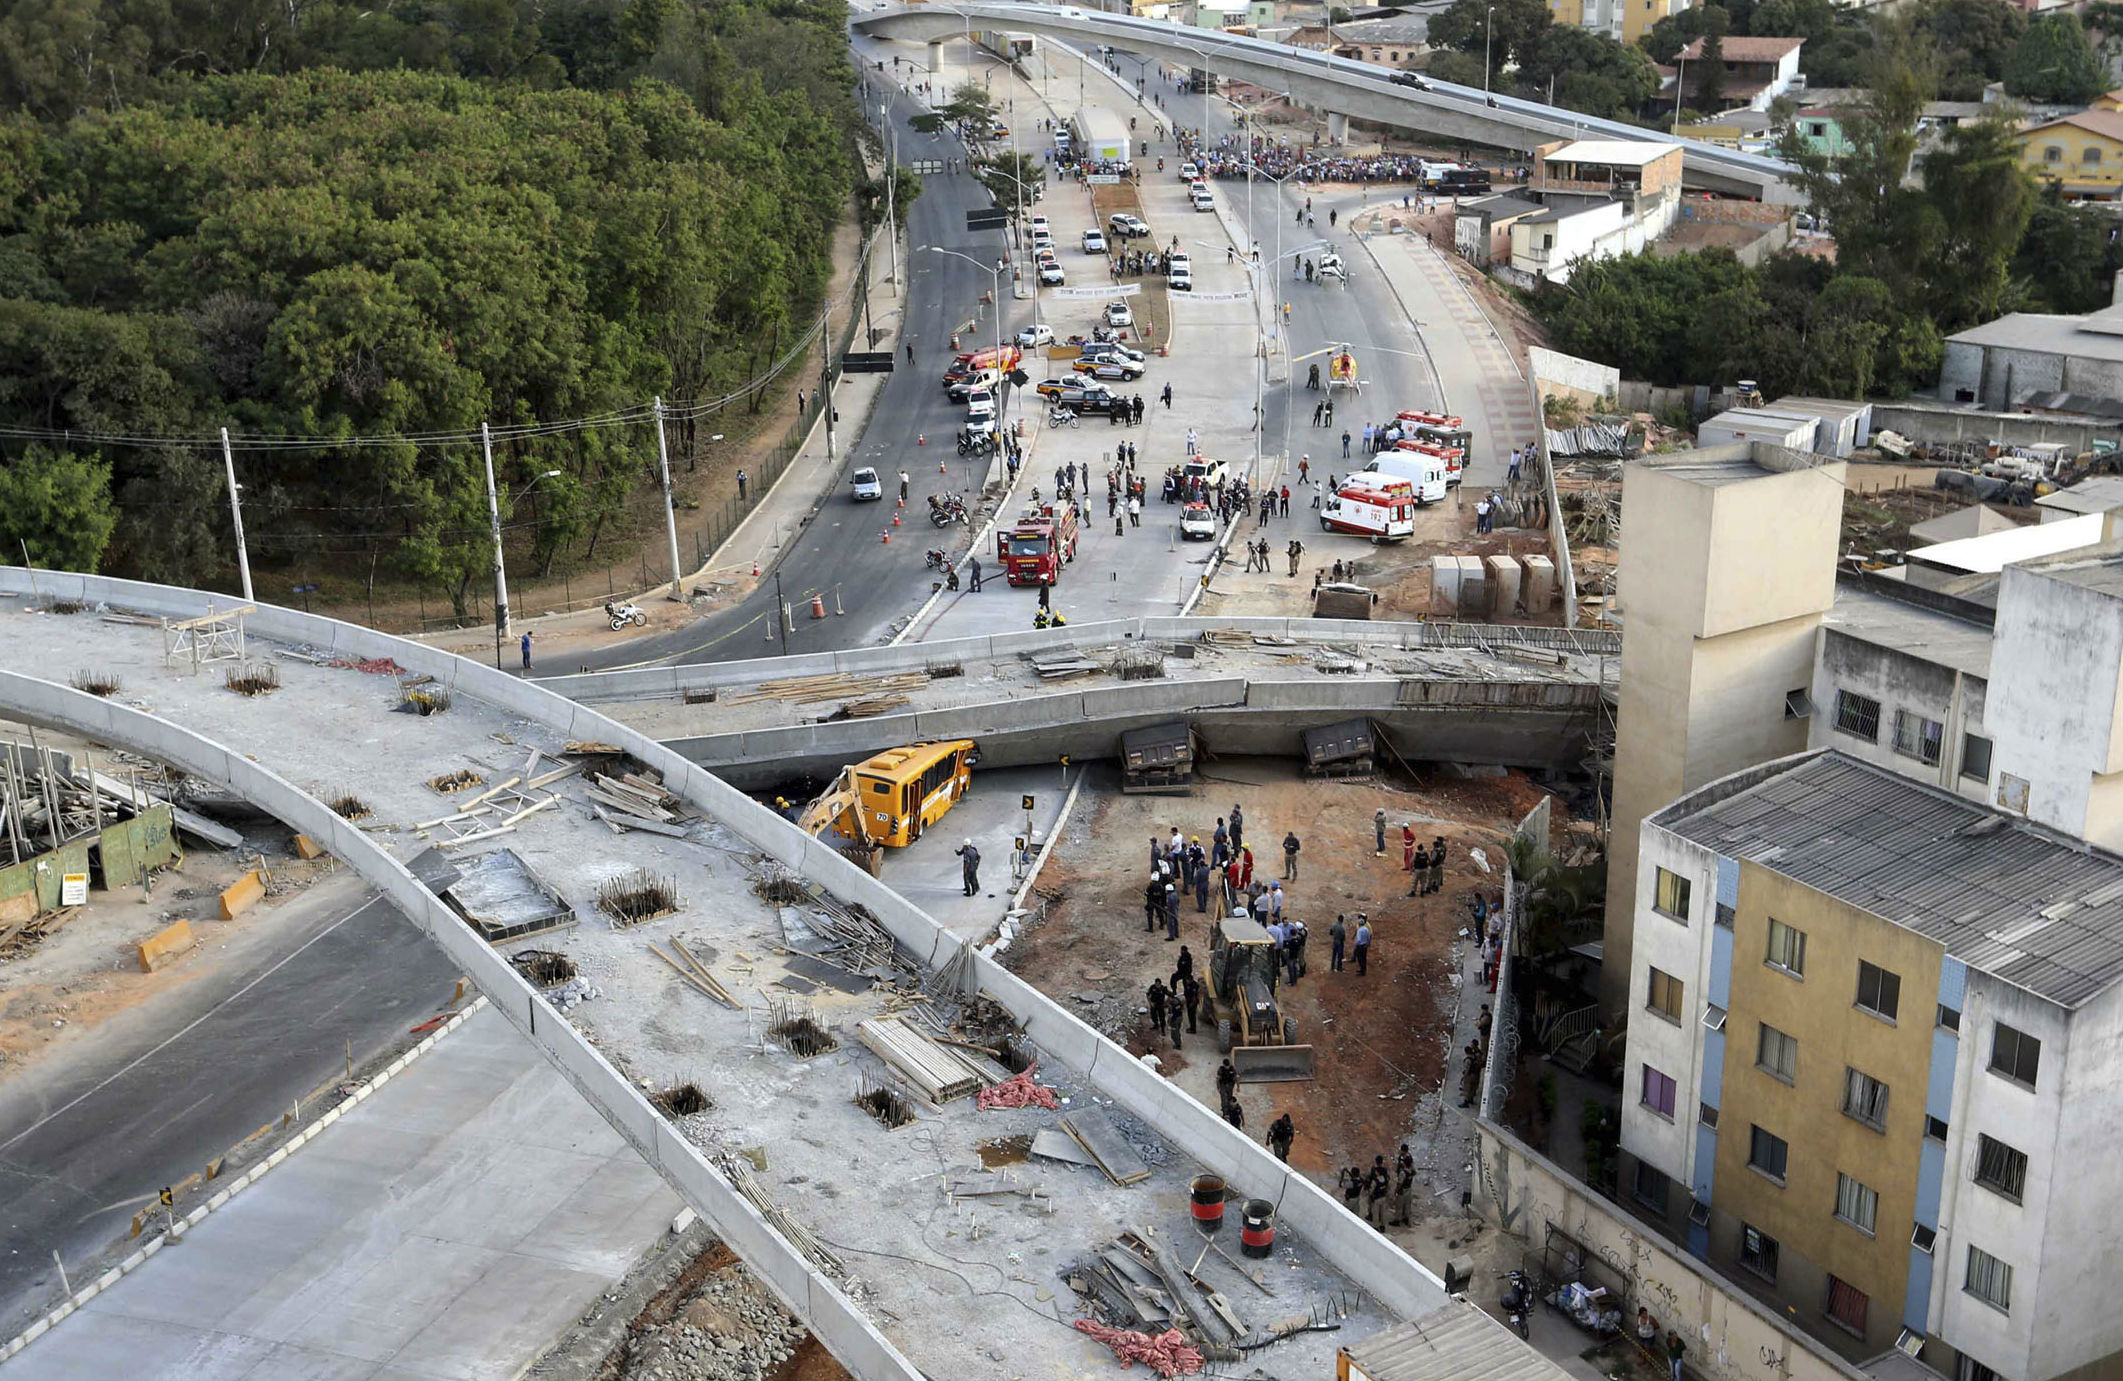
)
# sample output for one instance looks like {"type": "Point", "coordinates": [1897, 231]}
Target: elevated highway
{"type": "Point", "coordinates": [1336, 85]}
{"type": "Point", "coordinates": [899, 1282]}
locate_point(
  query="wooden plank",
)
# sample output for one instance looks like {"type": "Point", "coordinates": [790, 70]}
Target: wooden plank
{"type": "Point", "coordinates": [1118, 1159]}
{"type": "Point", "coordinates": [625, 820]}
{"type": "Point", "coordinates": [489, 792]}
{"type": "Point", "coordinates": [551, 777]}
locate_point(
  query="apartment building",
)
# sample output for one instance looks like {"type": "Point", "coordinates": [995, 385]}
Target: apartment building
{"type": "Point", "coordinates": [1625, 21]}
{"type": "Point", "coordinates": [1876, 1028]}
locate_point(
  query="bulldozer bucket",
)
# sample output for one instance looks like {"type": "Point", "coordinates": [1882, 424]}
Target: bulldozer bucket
{"type": "Point", "coordinates": [1272, 1064]}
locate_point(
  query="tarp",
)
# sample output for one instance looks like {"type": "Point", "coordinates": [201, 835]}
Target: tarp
{"type": "Point", "coordinates": [1590, 439]}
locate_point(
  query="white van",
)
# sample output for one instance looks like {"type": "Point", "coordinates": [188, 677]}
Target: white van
{"type": "Point", "coordinates": [1425, 474]}
{"type": "Point", "coordinates": [1202, 200]}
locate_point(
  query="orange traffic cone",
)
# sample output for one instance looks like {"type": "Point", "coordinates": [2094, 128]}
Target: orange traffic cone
{"type": "Point", "coordinates": [900, 502]}
{"type": "Point", "coordinates": [940, 468]}
{"type": "Point", "coordinates": [818, 606]}
{"type": "Point", "coordinates": [887, 536]}
{"type": "Point", "coordinates": [755, 568]}
{"type": "Point", "coordinates": [920, 439]}
{"type": "Point", "coordinates": [895, 520]}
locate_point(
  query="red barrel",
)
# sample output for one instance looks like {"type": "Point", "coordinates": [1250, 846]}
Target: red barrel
{"type": "Point", "coordinates": [1256, 1233]}
{"type": "Point", "coordinates": [1207, 1192]}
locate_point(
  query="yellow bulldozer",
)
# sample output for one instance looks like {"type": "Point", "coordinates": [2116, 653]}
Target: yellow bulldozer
{"type": "Point", "coordinates": [1244, 973]}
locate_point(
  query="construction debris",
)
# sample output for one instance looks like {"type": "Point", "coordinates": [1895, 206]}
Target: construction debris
{"type": "Point", "coordinates": [347, 806]}
{"type": "Point", "coordinates": [683, 1101]}
{"type": "Point", "coordinates": [936, 1072]}
{"type": "Point", "coordinates": [98, 683]}
{"type": "Point", "coordinates": [1167, 1354]}
{"type": "Point", "coordinates": [738, 1171]}
{"type": "Point", "coordinates": [884, 1102]}
{"type": "Point", "coordinates": [798, 1028]}
{"type": "Point", "coordinates": [543, 968]}
{"type": "Point", "coordinates": [373, 666]}
{"type": "Point", "coordinates": [637, 897]}
{"type": "Point", "coordinates": [1095, 1132]}
{"type": "Point", "coordinates": [423, 700]}
{"type": "Point", "coordinates": [695, 972]}
{"type": "Point", "coordinates": [503, 897]}
{"type": "Point", "coordinates": [1019, 1091]}
{"type": "Point", "coordinates": [837, 685]}
{"type": "Point", "coordinates": [449, 782]}
{"type": "Point", "coordinates": [253, 678]}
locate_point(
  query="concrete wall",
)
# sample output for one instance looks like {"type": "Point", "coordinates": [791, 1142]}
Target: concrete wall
{"type": "Point", "coordinates": [2054, 702]}
{"type": "Point", "coordinates": [653, 683]}
{"type": "Point", "coordinates": [1730, 1337]}
{"type": "Point", "coordinates": [1522, 724]}
{"type": "Point", "coordinates": [1900, 681]}
{"type": "Point", "coordinates": [1941, 424]}
{"type": "Point", "coordinates": [1393, 1278]}
{"type": "Point", "coordinates": [1679, 946]}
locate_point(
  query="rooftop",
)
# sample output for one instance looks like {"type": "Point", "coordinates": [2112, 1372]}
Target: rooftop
{"type": "Point", "coordinates": [1748, 49]}
{"type": "Point", "coordinates": [1401, 29]}
{"type": "Point", "coordinates": [1614, 153]}
{"type": "Point", "coordinates": [1994, 551]}
{"type": "Point", "coordinates": [2087, 337]}
{"type": "Point", "coordinates": [2035, 909]}
{"type": "Point", "coordinates": [2096, 495]}
{"type": "Point", "coordinates": [1500, 207]}
{"type": "Point", "coordinates": [2106, 123]}
{"type": "Point", "coordinates": [1902, 626]}
{"type": "Point", "coordinates": [2096, 566]}
{"type": "Point", "coordinates": [1702, 467]}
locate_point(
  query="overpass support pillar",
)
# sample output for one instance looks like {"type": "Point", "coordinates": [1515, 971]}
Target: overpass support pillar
{"type": "Point", "coordinates": [940, 89]}
{"type": "Point", "coordinates": [1337, 128]}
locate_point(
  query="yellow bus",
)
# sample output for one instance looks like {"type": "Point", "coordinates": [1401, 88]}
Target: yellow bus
{"type": "Point", "coordinates": [891, 798]}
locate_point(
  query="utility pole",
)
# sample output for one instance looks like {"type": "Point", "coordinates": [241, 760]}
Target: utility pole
{"type": "Point", "coordinates": [670, 515]}
{"type": "Point", "coordinates": [825, 372]}
{"type": "Point", "coordinates": [243, 557]}
{"type": "Point", "coordinates": [1488, 31]}
{"type": "Point", "coordinates": [501, 579]}
{"type": "Point", "coordinates": [781, 613]}
{"type": "Point", "coordinates": [891, 187]}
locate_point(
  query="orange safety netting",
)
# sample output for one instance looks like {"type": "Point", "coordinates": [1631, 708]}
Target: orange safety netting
{"type": "Point", "coordinates": [1168, 1354]}
{"type": "Point", "coordinates": [1018, 1091]}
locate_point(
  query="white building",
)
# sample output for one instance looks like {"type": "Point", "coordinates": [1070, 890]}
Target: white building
{"type": "Point", "coordinates": [1600, 198]}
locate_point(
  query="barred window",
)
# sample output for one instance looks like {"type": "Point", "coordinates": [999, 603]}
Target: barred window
{"type": "Point", "coordinates": [2000, 1168]}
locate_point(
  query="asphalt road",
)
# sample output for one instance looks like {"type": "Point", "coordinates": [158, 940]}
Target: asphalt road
{"type": "Point", "coordinates": [838, 554]}
{"type": "Point", "coordinates": [87, 1137]}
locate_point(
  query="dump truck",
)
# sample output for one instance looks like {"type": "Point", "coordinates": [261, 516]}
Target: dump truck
{"type": "Point", "coordinates": [1244, 972]}
{"type": "Point", "coordinates": [1042, 541]}
{"type": "Point", "coordinates": [1158, 760]}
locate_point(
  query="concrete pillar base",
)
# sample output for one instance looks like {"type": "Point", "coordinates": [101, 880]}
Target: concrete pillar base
{"type": "Point", "coordinates": [1337, 128]}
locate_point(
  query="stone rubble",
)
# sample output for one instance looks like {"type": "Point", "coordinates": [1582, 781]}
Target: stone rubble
{"type": "Point", "coordinates": [729, 1330]}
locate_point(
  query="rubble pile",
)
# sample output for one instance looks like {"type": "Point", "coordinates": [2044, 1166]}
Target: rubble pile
{"type": "Point", "coordinates": [728, 1328]}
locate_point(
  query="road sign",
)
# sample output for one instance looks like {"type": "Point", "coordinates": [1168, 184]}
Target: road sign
{"type": "Point", "coordinates": [925, 166]}
{"type": "Point", "coordinates": [303, 589]}
{"type": "Point", "coordinates": [1027, 803]}
{"type": "Point", "coordinates": [994, 219]}
{"type": "Point", "coordinates": [866, 362]}
{"type": "Point", "coordinates": [169, 1196]}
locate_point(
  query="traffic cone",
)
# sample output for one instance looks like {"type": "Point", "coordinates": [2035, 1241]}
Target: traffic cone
{"type": "Point", "coordinates": [818, 606]}
{"type": "Point", "coordinates": [920, 439]}
{"type": "Point", "coordinates": [940, 468]}
{"type": "Point", "coordinates": [900, 502]}
{"type": "Point", "coordinates": [887, 536]}
{"type": "Point", "coordinates": [895, 520]}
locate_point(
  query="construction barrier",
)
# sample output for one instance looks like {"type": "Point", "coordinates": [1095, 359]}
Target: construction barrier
{"type": "Point", "coordinates": [242, 895]}
{"type": "Point", "coordinates": [165, 945]}
{"type": "Point", "coordinates": [308, 847]}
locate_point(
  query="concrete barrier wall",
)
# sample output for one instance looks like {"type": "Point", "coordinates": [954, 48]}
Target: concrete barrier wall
{"type": "Point", "coordinates": [1390, 1275]}
{"type": "Point", "coordinates": [665, 683]}
{"type": "Point", "coordinates": [850, 1336]}
{"type": "Point", "coordinates": [1730, 1337]}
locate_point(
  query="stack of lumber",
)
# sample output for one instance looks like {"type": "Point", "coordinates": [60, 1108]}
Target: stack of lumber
{"type": "Point", "coordinates": [937, 1072]}
{"type": "Point", "coordinates": [739, 1174]}
{"type": "Point", "coordinates": [834, 685]}
{"type": "Point", "coordinates": [634, 801]}
{"type": "Point", "coordinates": [696, 973]}
{"type": "Point", "coordinates": [1095, 1132]}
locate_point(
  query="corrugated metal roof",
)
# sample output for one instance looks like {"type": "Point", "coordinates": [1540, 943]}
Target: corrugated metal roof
{"type": "Point", "coordinates": [1455, 1343]}
{"type": "Point", "coordinates": [2036, 909]}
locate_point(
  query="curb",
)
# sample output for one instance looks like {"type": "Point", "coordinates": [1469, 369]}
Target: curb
{"type": "Point", "coordinates": [1437, 381]}
{"type": "Point", "coordinates": [1005, 930]}
{"type": "Point", "coordinates": [81, 1297]}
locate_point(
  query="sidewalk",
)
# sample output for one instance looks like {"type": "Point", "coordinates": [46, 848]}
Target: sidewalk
{"type": "Point", "coordinates": [452, 1226]}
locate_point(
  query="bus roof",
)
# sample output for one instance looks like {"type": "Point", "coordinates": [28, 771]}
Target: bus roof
{"type": "Point", "coordinates": [897, 762]}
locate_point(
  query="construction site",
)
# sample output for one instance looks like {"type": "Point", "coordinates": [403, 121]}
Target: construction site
{"type": "Point", "coordinates": [808, 1058]}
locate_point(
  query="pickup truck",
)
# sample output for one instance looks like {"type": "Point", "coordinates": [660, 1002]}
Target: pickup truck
{"type": "Point", "coordinates": [1081, 394]}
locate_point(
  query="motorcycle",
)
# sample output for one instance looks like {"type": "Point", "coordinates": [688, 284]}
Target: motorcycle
{"type": "Point", "coordinates": [944, 511]}
{"type": "Point", "coordinates": [1063, 417]}
{"type": "Point", "coordinates": [1518, 1302]}
{"type": "Point", "coordinates": [972, 442]}
{"type": "Point", "coordinates": [620, 615]}
{"type": "Point", "coordinates": [935, 559]}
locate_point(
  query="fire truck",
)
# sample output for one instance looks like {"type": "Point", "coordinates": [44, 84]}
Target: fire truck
{"type": "Point", "coordinates": [1042, 541]}
{"type": "Point", "coordinates": [1372, 505]}
{"type": "Point", "coordinates": [1002, 359]}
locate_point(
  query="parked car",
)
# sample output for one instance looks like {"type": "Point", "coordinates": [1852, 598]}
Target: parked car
{"type": "Point", "coordinates": [1079, 393]}
{"type": "Point", "coordinates": [980, 405]}
{"type": "Point", "coordinates": [1094, 241]}
{"type": "Point", "coordinates": [1050, 274]}
{"type": "Point", "coordinates": [1127, 227]}
{"type": "Point", "coordinates": [863, 484]}
{"type": "Point", "coordinates": [1110, 369]}
{"type": "Point", "coordinates": [1037, 334]}
{"type": "Point", "coordinates": [1117, 314]}
{"type": "Point", "coordinates": [1180, 281]}
{"type": "Point", "coordinates": [1039, 223]}
{"type": "Point", "coordinates": [1203, 201]}
{"type": "Point", "coordinates": [1197, 520]}
{"type": "Point", "coordinates": [1189, 173]}
{"type": "Point", "coordinates": [1108, 350]}
{"type": "Point", "coordinates": [958, 390]}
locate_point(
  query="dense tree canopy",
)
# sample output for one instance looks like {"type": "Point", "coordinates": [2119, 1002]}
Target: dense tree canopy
{"type": "Point", "coordinates": [505, 211]}
{"type": "Point", "coordinates": [2055, 61]}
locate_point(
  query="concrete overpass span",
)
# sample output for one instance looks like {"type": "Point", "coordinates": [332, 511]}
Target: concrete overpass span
{"type": "Point", "coordinates": [1337, 85]}
{"type": "Point", "coordinates": [882, 1287]}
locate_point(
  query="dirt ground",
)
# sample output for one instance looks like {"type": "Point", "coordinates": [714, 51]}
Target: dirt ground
{"type": "Point", "coordinates": [1378, 1040]}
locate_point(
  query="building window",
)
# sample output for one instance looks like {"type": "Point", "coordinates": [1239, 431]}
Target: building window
{"type": "Point", "coordinates": [1777, 1054]}
{"type": "Point", "coordinates": [1758, 1252]}
{"type": "Point", "coordinates": [1858, 716]}
{"type": "Point", "coordinates": [1658, 1092]}
{"type": "Point", "coordinates": [1975, 757]}
{"type": "Point", "coordinates": [1969, 1369]}
{"type": "Point", "coordinates": [1769, 1154]}
{"type": "Point", "coordinates": [1988, 1279]}
{"type": "Point", "coordinates": [2012, 793]}
{"type": "Point", "coordinates": [1935, 1128]}
{"type": "Point", "coordinates": [1665, 995]}
{"type": "Point", "coordinates": [1865, 1099]}
{"type": "Point", "coordinates": [1817, 128]}
{"type": "Point", "coordinates": [1846, 1305]}
{"type": "Point", "coordinates": [2053, 153]}
{"type": "Point", "coordinates": [2014, 1054]}
{"type": "Point", "coordinates": [1671, 898]}
{"type": "Point", "coordinates": [1856, 1205]}
{"type": "Point", "coordinates": [1787, 948]}
{"type": "Point", "coordinates": [1725, 916]}
{"type": "Point", "coordinates": [1949, 1017]}
{"type": "Point", "coordinates": [1797, 704]}
{"type": "Point", "coordinates": [2000, 1168]}
{"type": "Point", "coordinates": [1651, 1185]}
{"type": "Point", "coordinates": [1879, 992]}
{"type": "Point", "coordinates": [2090, 156]}
{"type": "Point", "coordinates": [1918, 737]}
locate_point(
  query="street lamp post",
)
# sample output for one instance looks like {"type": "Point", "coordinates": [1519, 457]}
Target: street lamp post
{"type": "Point", "coordinates": [997, 294]}
{"type": "Point", "coordinates": [243, 556]}
{"type": "Point", "coordinates": [501, 579]}
{"type": "Point", "coordinates": [1488, 32]}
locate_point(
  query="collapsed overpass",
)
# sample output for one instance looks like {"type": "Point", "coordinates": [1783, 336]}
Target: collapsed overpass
{"type": "Point", "coordinates": [854, 1227]}
{"type": "Point", "coordinates": [1339, 86]}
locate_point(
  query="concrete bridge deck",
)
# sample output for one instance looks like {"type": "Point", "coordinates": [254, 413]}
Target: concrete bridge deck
{"type": "Point", "coordinates": [919, 1282]}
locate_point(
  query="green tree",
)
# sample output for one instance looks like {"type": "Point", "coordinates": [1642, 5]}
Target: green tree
{"type": "Point", "coordinates": [1517, 28]}
{"type": "Point", "coordinates": [57, 506]}
{"type": "Point", "coordinates": [1807, 19]}
{"type": "Point", "coordinates": [1974, 38]}
{"type": "Point", "coordinates": [1710, 86]}
{"type": "Point", "coordinates": [1841, 58]}
{"type": "Point", "coordinates": [2068, 256]}
{"type": "Point", "coordinates": [1011, 178]}
{"type": "Point", "coordinates": [1665, 39]}
{"type": "Point", "coordinates": [1589, 72]}
{"type": "Point", "coordinates": [1983, 198]}
{"type": "Point", "coordinates": [2055, 62]}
